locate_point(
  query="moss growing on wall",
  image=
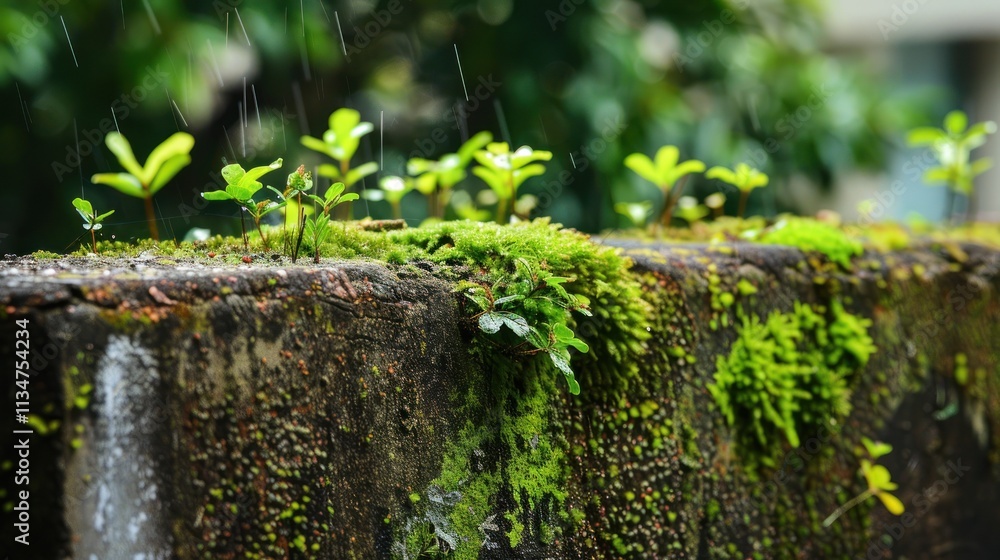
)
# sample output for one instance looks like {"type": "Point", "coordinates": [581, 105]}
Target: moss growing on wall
{"type": "Point", "coordinates": [789, 374]}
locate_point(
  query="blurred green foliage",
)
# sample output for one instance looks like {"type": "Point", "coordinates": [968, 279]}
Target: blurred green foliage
{"type": "Point", "coordinates": [590, 81]}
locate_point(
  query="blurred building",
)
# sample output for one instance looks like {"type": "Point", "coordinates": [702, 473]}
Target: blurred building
{"type": "Point", "coordinates": [953, 45]}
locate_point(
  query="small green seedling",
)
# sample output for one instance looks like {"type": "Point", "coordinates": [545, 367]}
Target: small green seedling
{"type": "Point", "coordinates": [436, 179]}
{"type": "Point", "coordinates": [241, 186]}
{"type": "Point", "coordinates": [952, 146]}
{"type": "Point", "coordinates": [879, 482]}
{"type": "Point", "coordinates": [465, 208]}
{"type": "Point", "coordinates": [744, 178]}
{"type": "Point", "coordinates": [340, 142]}
{"type": "Point", "coordinates": [690, 211]}
{"type": "Point", "coordinates": [319, 227]}
{"type": "Point", "coordinates": [636, 212]}
{"type": "Point", "coordinates": [299, 183]}
{"type": "Point", "coordinates": [91, 219]}
{"type": "Point", "coordinates": [143, 181]}
{"type": "Point", "coordinates": [506, 302]}
{"type": "Point", "coordinates": [505, 171]}
{"type": "Point", "coordinates": [392, 189]}
{"type": "Point", "coordinates": [665, 172]}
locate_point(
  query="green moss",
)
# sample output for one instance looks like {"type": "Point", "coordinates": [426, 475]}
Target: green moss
{"type": "Point", "coordinates": [812, 235]}
{"type": "Point", "coordinates": [789, 374]}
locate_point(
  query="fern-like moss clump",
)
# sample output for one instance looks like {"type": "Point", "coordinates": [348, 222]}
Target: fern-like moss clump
{"type": "Point", "coordinates": [789, 375]}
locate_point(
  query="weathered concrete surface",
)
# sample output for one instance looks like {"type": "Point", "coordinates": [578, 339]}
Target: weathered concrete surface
{"type": "Point", "coordinates": [222, 413]}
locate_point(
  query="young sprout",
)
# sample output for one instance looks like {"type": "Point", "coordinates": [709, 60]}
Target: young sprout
{"type": "Point", "coordinates": [435, 179]}
{"type": "Point", "coordinates": [717, 203]}
{"type": "Point", "coordinates": [744, 178]}
{"type": "Point", "coordinates": [319, 227]}
{"type": "Point", "coordinates": [505, 171]}
{"type": "Point", "coordinates": [665, 172]}
{"type": "Point", "coordinates": [952, 146]}
{"type": "Point", "coordinates": [636, 212]}
{"type": "Point", "coordinates": [241, 186]}
{"type": "Point", "coordinates": [392, 189]}
{"type": "Point", "coordinates": [298, 184]}
{"type": "Point", "coordinates": [92, 220]}
{"type": "Point", "coordinates": [143, 181]}
{"type": "Point", "coordinates": [340, 143]}
{"type": "Point", "coordinates": [879, 482]}
{"type": "Point", "coordinates": [690, 211]}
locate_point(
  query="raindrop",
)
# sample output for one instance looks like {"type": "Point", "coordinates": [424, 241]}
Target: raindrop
{"type": "Point", "coordinates": [152, 17]}
{"type": "Point", "coordinates": [460, 73]}
{"type": "Point", "coordinates": [71, 50]}
{"type": "Point", "coordinates": [343, 45]}
{"type": "Point", "coordinates": [238, 18]}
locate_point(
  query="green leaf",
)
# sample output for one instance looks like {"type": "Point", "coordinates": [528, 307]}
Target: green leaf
{"type": "Point", "coordinates": [84, 208]}
{"type": "Point", "coordinates": [955, 122]}
{"type": "Point", "coordinates": [101, 217]}
{"type": "Point", "coordinates": [980, 166]}
{"type": "Point", "coordinates": [178, 144]}
{"type": "Point", "coordinates": [233, 173]}
{"type": "Point", "coordinates": [525, 173]}
{"type": "Point", "coordinates": [878, 478]}
{"type": "Point", "coordinates": [925, 136]}
{"type": "Point", "coordinates": [316, 145]}
{"type": "Point", "coordinates": [360, 172]}
{"type": "Point", "coordinates": [493, 180]}
{"type": "Point", "coordinates": [216, 195]}
{"type": "Point", "coordinates": [515, 323]}
{"type": "Point", "coordinates": [122, 182]}
{"type": "Point", "coordinates": [505, 299]}
{"type": "Point", "coordinates": [723, 174]}
{"type": "Point", "coordinates": [642, 166]}
{"type": "Point", "coordinates": [472, 145]}
{"type": "Point", "coordinates": [876, 450]}
{"type": "Point", "coordinates": [666, 159]}
{"type": "Point", "coordinates": [349, 197]}
{"type": "Point", "coordinates": [891, 503]}
{"type": "Point", "coordinates": [255, 173]}
{"type": "Point", "coordinates": [122, 150]}
{"type": "Point", "coordinates": [167, 171]}
{"type": "Point", "coordinates": [331, 171]}
{"type": "Point", "coordinates": [490, 322]}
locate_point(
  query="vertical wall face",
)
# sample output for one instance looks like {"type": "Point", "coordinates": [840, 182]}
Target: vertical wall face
{"type": "Point", "coordinates": [199, 413]}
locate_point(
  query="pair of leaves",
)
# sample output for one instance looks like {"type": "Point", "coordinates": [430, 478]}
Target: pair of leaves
{"type": "Point", "coordinates": [341, 140]}
{"type": "Point", "coordinates": [881, 485]}
{"type": "Point", "coordinates": [143, 181]}
{"type": "Point", "coordinates": [952, 146]}
{"type": "Point", "coordinates": [86, 210]}
{"type": "Point", "coordinates": [241, 185]}
{"type": "Point", "coordinates": [664, 171]}
{"type": "Point", "coordinates": [744, 177]}
{"type": "Point", "coordinates": [450, 169]}
{"type": "Point", "coordinates": [505, 171]}
{"type": "Point", "coordinates": [333, 197]}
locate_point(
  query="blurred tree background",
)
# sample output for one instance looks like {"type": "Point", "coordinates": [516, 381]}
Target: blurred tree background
{"type": "Point", "coordinates": [589, 80]}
